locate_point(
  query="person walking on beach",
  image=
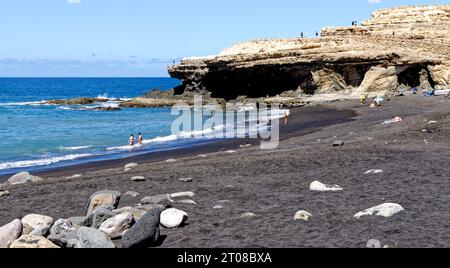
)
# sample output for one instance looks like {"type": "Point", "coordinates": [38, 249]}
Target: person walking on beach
{"type": "Point", "coordinates": [286, 118]}
{"type": "Point", "coordinates": [140, 139]}
{"type": "Point", "coordinates": [131, 140]}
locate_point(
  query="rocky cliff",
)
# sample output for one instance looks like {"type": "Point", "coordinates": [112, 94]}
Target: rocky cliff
{"type": "Point", "coordinates": [400, 47]}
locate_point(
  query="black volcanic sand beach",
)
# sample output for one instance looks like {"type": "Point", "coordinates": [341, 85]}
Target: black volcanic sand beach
{"type": "Point", "coordinates": [274, 184]}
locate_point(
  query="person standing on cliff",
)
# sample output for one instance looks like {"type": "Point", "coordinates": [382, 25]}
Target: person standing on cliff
{"type": "Point", "coordinates": [301, 34]}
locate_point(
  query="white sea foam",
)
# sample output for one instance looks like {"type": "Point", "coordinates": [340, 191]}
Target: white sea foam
{"type": "Point", "coordinates": [76, 148]}
{"type": "Point", "coordinates": [42, 161]}
{"type": "Point", "coordinates": [24, 103]}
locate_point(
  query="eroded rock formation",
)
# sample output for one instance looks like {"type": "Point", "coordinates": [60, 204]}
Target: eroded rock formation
{"type": "Point", "coordinates": [401, 47]}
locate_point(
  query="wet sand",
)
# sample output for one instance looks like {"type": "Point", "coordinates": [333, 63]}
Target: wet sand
{"type": "Point", "coordinates": [274, 184]}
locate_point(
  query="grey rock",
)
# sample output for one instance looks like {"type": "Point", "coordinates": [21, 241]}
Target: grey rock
{"type": "Point", "coordinates": [171, 160]}
{"type": "Point", "coordinates": [156, 199]}
{"type": "Point", "coordinates": [98, 216]}
{"type": "Point", "coordinates": [100, 198]}
{"type": "Point", "coordinates": [116, 226]}
{"type": "Point", "coordinates": [63, 226]}
{"type": "Point", "coordinates": [9, 233]}
{"type": "Point", "coordinates": [145, 232]}
{"type": "Point", "coordinates": [150, 207]}
{"type": "Point", "coordinates": [90, 238]}
{"type": "Point", "coordinates": [77, 221]}
{"type": "Point", "coordinates": [62, 239]}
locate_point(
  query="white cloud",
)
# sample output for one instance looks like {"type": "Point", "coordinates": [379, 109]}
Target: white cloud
{"type": "Point", "coordinates": [374, 1]}
{"type": "Point", "coordinates": [74, 2]}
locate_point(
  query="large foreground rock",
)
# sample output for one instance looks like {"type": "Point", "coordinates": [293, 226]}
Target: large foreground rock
{"type": "Point", "coordinates": [98, 216]}
{"type": "Point", "coordinates": [90, 238]}
{"type": "Point", "coordinates": [173, 218]}
{"type": "Point", "coordinates": [100, 198]}
{"type": "Point", "coordinates": [116, 226]}
{"type": "Point", "coordinates": [145, 232]}
{"type": "Point", "coordinates": [63, 226]}
{"type": "Point", "coordinates": [33, 241]}
{"type": "Point", "coordinates": [36, 224]}
{"type": "Point", "coordinates": [384, 210]}
{"type": "Point", "coordinates": [9, 233]}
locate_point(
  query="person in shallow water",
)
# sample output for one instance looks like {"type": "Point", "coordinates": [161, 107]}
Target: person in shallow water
{"type": "Point", "coordinates": [140, 139]}
{"type": "Point", "coordinates": [131, 140]}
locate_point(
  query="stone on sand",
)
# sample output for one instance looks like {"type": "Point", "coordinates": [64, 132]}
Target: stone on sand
{"type": "Point", "coordinates": [145, 232]}
{"type": "Point", "coordinates": [384, 210]}
{"type": "Point", "coordinates": [187, 202]}
{"type": "Point", "coordinates": [3, 193]}
{"type": "Point", "coordinates": [9, 233]}
{"type": "Point", "coordinates": [230, 152]}
{"type": "Point", "coordinates": [20, 178]}
{"type": "Point", "coordinates": [116, 226]}
{"type": "Point", "coordinates": [320, 187]}
{"type": "Point", "coordinates": [132, 194]}
{"type": "Point", "coordinates": [100, 198]}
{"type": "Point", "coordinates": [173, 218]}
{"type": "Point", "coordinates": [36, 224]}
{"type": "Point", "coordinates": [218, 207]}
{"type": "Point", "coordinates": [373, 243]}
{"type": "Point", "coordinates": [138, 178]}
{"type": "Point", "coordinates": [156, 199]}
{"type": "Point", "coordinates": [248, 215]}
{"type": "Point", "coordinates": [33, 241]}
{"type": "Point", "coordinates": [374, 171]}
{"type": "Point", "coordinates": [131, 165]}
{"type": "Point", "coordinates": [302, 215]}
{"type": "Point", "coordinates": [127, 169]}
{"type": "Point", "coordinates": [171, 160]}
{"type": "Point", "coordinates": [338, 143]}
{"type": "Point", "coordinates": [185, 179]}
{"type": "Point", "coordinates": [182, 194]}
{"type": "Point", "coordinates": [90, 238]}
{"type": "Point", "coordinates": [76, 176]}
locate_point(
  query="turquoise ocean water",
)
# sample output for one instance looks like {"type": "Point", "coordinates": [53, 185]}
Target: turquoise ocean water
{"type": "Point", "coordinates": [34, 136]}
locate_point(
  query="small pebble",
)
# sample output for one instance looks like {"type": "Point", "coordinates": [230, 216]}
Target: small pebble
{"type": "Point", "coordinates": [185, 179]}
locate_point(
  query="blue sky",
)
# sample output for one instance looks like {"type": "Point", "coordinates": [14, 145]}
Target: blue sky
{"type": "Point", "coordinates": [141, 37]}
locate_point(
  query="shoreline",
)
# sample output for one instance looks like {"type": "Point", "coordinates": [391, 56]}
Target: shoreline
{"type": "Point", "coordinates": [190, 151]}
